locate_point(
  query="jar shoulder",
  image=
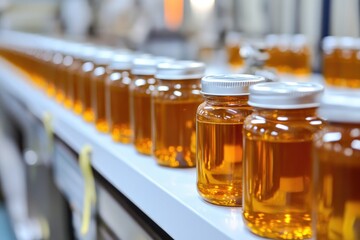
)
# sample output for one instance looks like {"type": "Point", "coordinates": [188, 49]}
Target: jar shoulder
{"type": "Point", "coordinates": [164, 93]}
{"type": "Point", "coordinates": [282, 128]}
{"type": "Point", "coordinates": [223, 113]}
{"type": "Point", "coordinates": [336, 144]}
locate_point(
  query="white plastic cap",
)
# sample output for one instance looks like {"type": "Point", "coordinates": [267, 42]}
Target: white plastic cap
{"type": "Point", "coordinates": [340, 105]}
{"type": "Point", "coordinates": [147, 65]}
{"type": "Point", "coordinates": [229, 85]}
{"type": "Point", "coordinates": [347, 43]}
{"type": "Point", "coordinates": [122, 61]}
{"type": "Point", "coordinates": [285, 95]}
{"type": "Point", "coordinates": [180, 70]}
{"type": "Point", "coordinates": [87, 52]}
{"type": "Point", "coordinates": [103, 56]}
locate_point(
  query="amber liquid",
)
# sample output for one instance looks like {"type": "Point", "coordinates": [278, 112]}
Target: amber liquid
{"type": "Point", "coordinates": [77, 93]}
{"type": "Point", "coordinates": [330, 67]}
{"type": "Point", "coordinates": [175, 132]}
{"type": "Point", "coordinates": [219, 162]}
{"type": "Point", "coordinates": [49, 72]}
{"type": "Point", "coordinates": [99, 104]}
{"type": "Point", "coordinates": [142, 122]}
{"type": "Point", "coordinates": [301, 62]}
{"type": "Point", "coordinates": [274, 55]}
{"type": "Point", "coordinates": [337, 167]}
{"type": "Point", "coordinates": [234, 58]}
{"type": "Point", "coordinates": [277, 201]}
{"type": "Point", "coordinates": [68, 61]}
{"type": "Point", "coordinates": [119, 114]}
{"type": "Point", "coordinates": [72, 83]}
{"type": "Point", "coordinates": [140, 104]}
{"type": "Point", "coordinates": [85, 89]}
{"type": "Point", "coordinates": [58, 76]}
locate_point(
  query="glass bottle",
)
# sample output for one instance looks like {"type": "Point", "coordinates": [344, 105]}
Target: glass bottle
{"type": "Point", "coordinates": [284, 46]}
{"type": "Point", "coordinates": [336, 168]}
{"type": "Point", "coordinates": [56, 65]}
{"type": "Point", "coordinates": [48, 72]}
{"type": "Point", "coordinates": [98, 106]}
{"type": "Point", "coordinates": [143, 84]}
{"type": "Point", "coordinates": [301, 56]}
{"type": "Point", "coordinates": [118, 99]}
{"type": "Point", "coordinates": [232, 46]}
{"type": "Point", "coordinates": [356, 83]}
{"type": "Point", "coordinates": [278, 157]}
{"type": "Point", "coordinates": [347, 67]}
{"type": "Point", "coordinates": [83, 101]}
{"type": "Point", "coordinates": [331, 59]}
{"type": "Point", "coordinates": [219, 148]}
{"type": "Point", "coordinates": [173, 105]}
{"type": "Point", "coordinates": [68, 61]}
{"type": "Point", "coordinates": [85, 56]}
{"type": "Point", "coordinates": [70, 77]}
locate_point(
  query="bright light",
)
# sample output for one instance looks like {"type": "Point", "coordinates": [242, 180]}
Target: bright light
{"type": "Point", "coordinates": [202, 6]}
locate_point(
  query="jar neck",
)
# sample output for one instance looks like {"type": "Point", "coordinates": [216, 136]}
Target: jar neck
{"type": "Point", "coordinates": [188, 83]}
{"type": "Point", "coordinates": [284, 114]}
{"type": "Point", "coordinates": [227, 100]}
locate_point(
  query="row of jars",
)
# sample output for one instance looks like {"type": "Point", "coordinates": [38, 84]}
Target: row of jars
{"type": "Point", "coordinates": [267, 146]}
{"type": "Point", "coordinates": [251, 141]}
{"type": "Point", "coordinates": [341, 61]}
{"type": "Point", "coordinates": [287, 53]}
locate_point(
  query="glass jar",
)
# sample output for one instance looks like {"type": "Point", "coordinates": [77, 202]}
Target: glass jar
{"type": "Point", "coordinates": [66, 66]}
{"type": "Point", "coordinates": [97, 82]}
{"type": "Point", "coordinates": [56, 65]}
{"type": "Point", "coordinates": [337, 167]}
{"type": "Point", "coordinates": [174, 104]}
{"type": "Point", "coordinates": [301, 56]}
{"type": "Point", "coordinates": [48, 72]}
{"type": "Point", "coordinates": [233, 41]}
{"type": "Point", "coordinates": [278, 157]}
{"type": "Point", "coordinates": [331, 59]}
{"type": "Point", "coordinates": [142, 86]}
{"type": "Point", "coordinates": [71, 79]}
{"type": "Point", "coordinates": [84, 73]}
{"type": "Point", "coordinates": [118, 99]}
{"type": "Point", "coordinates": [219, 148]}
{"type": "Point", "coordinates": [347, 64]}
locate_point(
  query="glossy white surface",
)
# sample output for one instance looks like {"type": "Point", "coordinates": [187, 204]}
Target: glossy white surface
{"type": "Point", "coordinates": [168, 196]}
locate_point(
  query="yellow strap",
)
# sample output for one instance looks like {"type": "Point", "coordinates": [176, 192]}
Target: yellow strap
{"type": "Point", "coordinates": [47, 121]}
{"type": "Point", "coordinates": [90, 192]}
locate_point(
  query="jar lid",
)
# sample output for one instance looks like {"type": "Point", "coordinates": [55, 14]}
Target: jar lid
{"type": "Point", "coordinates": [347, 43]}
{"type": "Point", "coordinates": [180, 70]}
{"type": "Point", "coordinates": [146, 65]}
{"type": "Point", "coordinates": [330, 43]}
{"type": "Point", "coordinates": [103, 56]}
{"type": "Point", "coordinates": [285, 95]}
{"type": "Point", "coordinates": [122, 61]}
{"type": "Point", "coordinates": [340, 105]}
{"type": "Point", "coordinates": [87, 52]}
{"type": "Point", "coordinates": [229, 85]}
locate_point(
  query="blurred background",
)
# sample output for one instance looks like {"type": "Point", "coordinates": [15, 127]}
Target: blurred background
{"type": "Point", "coordinates": [298, 37]}
{"type": "Point", "coordinates": [189, 29]}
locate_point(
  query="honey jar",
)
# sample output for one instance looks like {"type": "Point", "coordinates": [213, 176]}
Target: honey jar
{"type": "Point", "coordinates": [117, 99]}
{"type": "Point", "coordinates": [143, 84]}
{"type": "Point", "coordinates": [278, 158]}
{"type": "Point", "coordinates": [219, 148]}
{"type": "Point", "coordinates": [174, 104]}
{"type": "Point", "coordinates": [98, 106]}
{"type": "Point", "coordinates": [337, 167]}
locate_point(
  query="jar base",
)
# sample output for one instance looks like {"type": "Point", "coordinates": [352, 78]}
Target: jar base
{"type": "Point", "coordinates": [279, 226]}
